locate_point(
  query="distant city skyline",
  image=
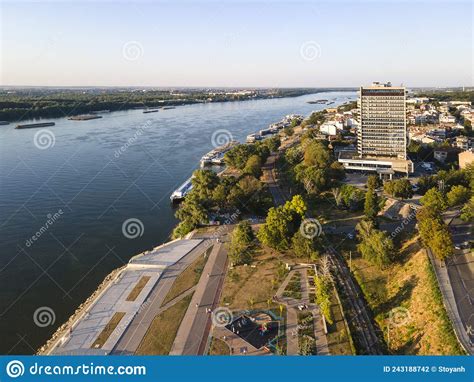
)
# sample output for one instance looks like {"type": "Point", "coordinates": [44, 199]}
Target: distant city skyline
{"type": "Point", "coordinates": [237, 44]}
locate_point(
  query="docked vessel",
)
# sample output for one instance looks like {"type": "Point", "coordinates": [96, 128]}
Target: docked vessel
{"type": "Point", "coordinates": [168, 107]}
{"type": "Point", "coordinates": [150, 111]}
{"type": "Point", "coordinates": [84, 117]}
{"type": "Point", "coordinates": [180, 193]}
{"type": "Point", "coordinates": [216, 156]}
{"type": "Point", "coordinates": [274, 128]}
{"type": "Point", "coordinates": [33, 125]}
{"type": "Point", "coordinates": [319, 101]}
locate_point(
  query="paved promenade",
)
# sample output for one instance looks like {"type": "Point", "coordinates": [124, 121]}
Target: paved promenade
{"type": "Point", "coordinates": [193, 332]}
{"type": "Point", "coordinates": [137, 329]}
{"type": "Point", "coordinates": [81, 337]}
{"type": "Point", "coordinates": [292, 347]}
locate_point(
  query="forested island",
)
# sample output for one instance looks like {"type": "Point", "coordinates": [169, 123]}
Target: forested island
{"type": "Point", "coordinates": [18, 104]}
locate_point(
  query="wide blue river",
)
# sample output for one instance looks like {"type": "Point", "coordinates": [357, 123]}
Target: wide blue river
{"type": "Point", "coordinates": [65, 194]}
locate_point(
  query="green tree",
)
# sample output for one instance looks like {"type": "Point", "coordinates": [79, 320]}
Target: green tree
{"type": "Point", "coordinates": [374, 182]}
{"type": "Point", "coordinates": [323, 288]}
{"type": "Point", "coordinates": [314, 179]}
{"type": "Point", "coordinates": [371, 204]}
{"type": "Point", "coordinates": [272, 143]}
{"type": "Point", "coordinates": [303, 247]}
{"type": "Point", "coordinates": [191, 214]}
{"type": "Point", "coordinates": [241, 243]}
{"type": "Point", "coordinates": [281, 223]}
{"type": "Point", "coordinates": [351, 197]}
{"type": "Point", "coordinates": [294, 155]}
{"type": "Point", "coordinates": [237, 157]}
{"type": "Point", "coordinates": [434, 200]}
{"type": "Point", "coordinates": [317, 154]}
{"type": "Point", "coordinates": [458, 195]}
{"type": "Point", "coordinates": [434, 233]}
{"type": "Point", "coordinates": [467, 212]}
{"type": "Point", "coordinates": [375, 246]}
{"type": "Point", "coordinates": [277, 230]}
{"type": "Point", "coordinates": [204, 182]}
{"type": "Point", "coordinates": [254, 166]}
{"type": "Point", "coordinates": [399, 188]}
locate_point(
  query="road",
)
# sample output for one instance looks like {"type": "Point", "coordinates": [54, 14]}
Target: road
{"type": "Point", "coordinates": [272, 183]}
{"type": "Point", "coordinates": [133, 335]}
{"type": "Point", "coordinates": [460, 272]}
{"type": "Point", "coordinates": [193, 332]}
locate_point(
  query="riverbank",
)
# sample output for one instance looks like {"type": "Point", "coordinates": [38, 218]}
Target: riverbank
{"type": "Point", "coordinates": [81, 310]}
{"type": "Point", "coordinates": [19, 106]}
{"type": "Point", "coordinates": [103, 191]}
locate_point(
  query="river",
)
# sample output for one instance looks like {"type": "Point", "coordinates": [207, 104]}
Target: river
{"type": "Point", "coordinates": [73, 186]}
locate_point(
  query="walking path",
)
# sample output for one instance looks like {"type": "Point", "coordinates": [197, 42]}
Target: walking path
{"type": "Point", "coordinates": [292, 345]}
{"type": "Point", "coordinates": [193, 332]}
{"type": "Point", "coordinates": [134, 333]}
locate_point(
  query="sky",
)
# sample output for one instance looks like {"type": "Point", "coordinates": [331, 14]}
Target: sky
{"type": "Point", "coordinates": [236, 43]}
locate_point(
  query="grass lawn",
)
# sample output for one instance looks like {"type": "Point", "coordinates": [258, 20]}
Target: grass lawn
{"type": "Point", "coordinates": [325, 209]}
{"type": "Point", "coordinates": [107, 331]}
{"type": "Point", "coordinates": [160, 335]}
{"type": "Point", "coordinates": [409, 287]}
{"type": "Point", "coordinates": [188, 278]}
{"type": "Point", "coordinates": [138, 288]}
{"type": "Point", "coordinates": [254, 286]}
{"type": "Point", "coordinates": [218, 347]}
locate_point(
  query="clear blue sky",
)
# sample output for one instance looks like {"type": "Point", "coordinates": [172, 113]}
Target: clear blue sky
{"type": "Point", "coordinates": [212, 43]}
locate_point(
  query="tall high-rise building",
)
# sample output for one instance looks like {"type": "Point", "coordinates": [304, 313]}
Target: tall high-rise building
{"type": "Point", "coordinates": [383, 129]}
{"type": "Point", "coordinates": [382, 134]}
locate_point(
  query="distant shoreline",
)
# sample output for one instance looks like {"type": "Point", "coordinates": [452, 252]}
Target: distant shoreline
{"type": "Point", "coordinates": [19, 107]}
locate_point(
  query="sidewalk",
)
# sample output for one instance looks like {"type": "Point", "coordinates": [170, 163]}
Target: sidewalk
{"type": "Point", "coordinates": [192, 331]}
{"type": "Point", "coordinates": [450, 303]}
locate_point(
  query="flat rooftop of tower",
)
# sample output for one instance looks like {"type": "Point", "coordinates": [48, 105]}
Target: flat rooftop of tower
{"type": "Point", "coordinates": [351, 155]}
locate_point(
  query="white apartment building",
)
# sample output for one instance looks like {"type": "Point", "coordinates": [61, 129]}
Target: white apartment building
{"type": "Point", "coordinates": [382, 135]}
{"type": "Point", "coordinates": [383, 130]}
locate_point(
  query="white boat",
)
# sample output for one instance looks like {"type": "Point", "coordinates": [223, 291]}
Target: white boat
{"type": "Point", "coordinates": [216, 156]}
{"type": "Point", "coordinates": [182, 191]}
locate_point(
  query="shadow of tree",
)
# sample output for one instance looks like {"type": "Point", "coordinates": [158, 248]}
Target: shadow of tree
{"type": "Point", "coordinates": [410, 346]}
{"type": "Point", "coordinates": [412, 248]}
{"type": "Point", "coordinates": [403, 294]}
